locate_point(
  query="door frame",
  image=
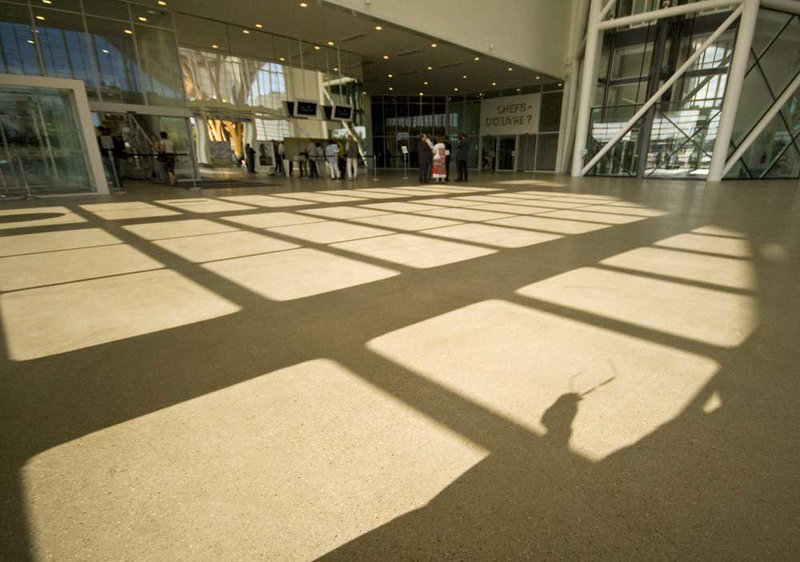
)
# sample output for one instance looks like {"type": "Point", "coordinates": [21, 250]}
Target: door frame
{"type": "Point", "coordinates": [80, 103]}
{"type": "Point", "coordinates": [514, 153]}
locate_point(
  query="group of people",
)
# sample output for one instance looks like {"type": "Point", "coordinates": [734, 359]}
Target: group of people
{"type": "Point", "coordinates": [338, 160]}
{"type": "Point", "coordinates": [434, 159]}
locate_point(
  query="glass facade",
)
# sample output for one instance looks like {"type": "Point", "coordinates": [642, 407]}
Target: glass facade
{"type": "Point", "coordinates": [774, 62]}
{"type": "Point", "coordinates": [675, 138]}
{"type": "Point", "coordinates": [122, 52]}
{"type": "Point", "coordinates": [42, 149]}
{"type": "Point", "coordinates": [398, 120]}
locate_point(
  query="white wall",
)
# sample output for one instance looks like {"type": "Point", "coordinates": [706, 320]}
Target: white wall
{"type": "Point", "coordinates": [529, 33]}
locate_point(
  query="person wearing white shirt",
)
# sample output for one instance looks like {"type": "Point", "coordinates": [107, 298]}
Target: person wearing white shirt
{"type": "Point", "coordinates": [331, 154]}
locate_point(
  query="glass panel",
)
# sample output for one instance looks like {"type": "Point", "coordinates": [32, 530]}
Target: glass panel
{"type": "Point", "coordinates": [506, 146]}
{"type": "Point", "coordinates": [546, 149]}
{"type": "Point", "coordinates": [107, 9]}
{"type": "Point", "coordinates": [41, 134]}
{"type": "Point", "coordinates": [17, 45]}
{"type": "Point", "coordinates": [631, 61]}
{"type": "Point", "coordinates": [627, 94]}
{"type": "Point", "coordinates": [64, 49]}
{"type": "Point", "coordinates": [550, 114]}
{"type": "Point", "coordinates": [780, 62]}
{"type": "Point", "coordinates": [115, 53]}
{"type": "Point", "coordinates": [160, 65]}
{"type": "Point", "coordinates": [622, 159]}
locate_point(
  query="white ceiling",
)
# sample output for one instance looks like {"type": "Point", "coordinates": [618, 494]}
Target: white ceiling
{"type": "Point", "coordinates": [409, 53]}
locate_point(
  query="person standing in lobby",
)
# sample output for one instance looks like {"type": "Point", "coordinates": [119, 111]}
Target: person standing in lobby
{"type": "Point", "coordinates": [331, 155]}
{"type": "Point", "coordinates": [425, 153]}
{"type": "Point", "coordinates": [462, 156]}
{"type": "Point", "coordinates": [351, 150]}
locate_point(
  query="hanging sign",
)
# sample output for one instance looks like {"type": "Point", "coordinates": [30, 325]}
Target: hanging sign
{"type": "Point", "coordinates": [510, 115]}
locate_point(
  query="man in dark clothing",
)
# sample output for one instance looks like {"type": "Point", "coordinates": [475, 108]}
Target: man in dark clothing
{"type": "Point", "coordinates": [462, 155]}
{"type": "Point", "coordinates": [425, 153]}
{"type": "Point", "coordinates": [250, 158]}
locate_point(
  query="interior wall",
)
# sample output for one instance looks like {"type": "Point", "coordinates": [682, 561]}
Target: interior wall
{"type": "Point", "coordinates": [530, 33]}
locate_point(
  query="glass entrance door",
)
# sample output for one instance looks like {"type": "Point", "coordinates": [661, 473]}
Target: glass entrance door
{"type": "Point", "coordinates": [42, 149]}
{"type": "Point", "coordinates": [506, 152]}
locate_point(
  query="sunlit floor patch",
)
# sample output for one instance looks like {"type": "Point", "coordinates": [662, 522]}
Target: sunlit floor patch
{"type": "Point", "coordinates": [633, 211]}
{"type": "Point", "coordinates": [406, 222]}
{"type": "Point", "coordinates": [517, 361]}
{"type": "Point", "coordinates": [498, 236]}
{"type": "Point", "coordinates": [455, 202]}
{"type": "Point", "coordinates": [318, 197]}
{"type": "Point", "coordinates": [558, 226]}
{"type": "Point", "coordinates": [343, 212]}
{"type": "Point", "coordinates": [296, 274]}
{"type": "Point", "coordinates": [37, 216]}
{"type": "Point", "coordinates": [715, 317]}
{"type": "Point", "coordinates": [536, 193]}
{"type": "Point", "coordinates": [718, 231]}
{"type": "Point", "coordinates": [178, 228]}
{"type": "Point", "coordinates": [266, 220]}
{"type": "Point", "coordinates": [48, 268]}
{"type": "Point", "coordinates": [286, 466]}
{"type": "Point", "coordinates": [414, 251]}
{"type": "Point", "coordinates": [327, 232]}
{"type": "Point", "coordinates": [543, 183]}
{"type": "Point", "coordinates": [401, 207]}
{"type": "Point", "coordinates": [510, 208]}
{"type": "Point", "coordinates": [604, 218]}
{"type": "Point", "coordinates": [464, 214]}
{"type": "Point", "coordinates": [725, 272]}
{"type": "Point", "coordinates": [61, 318]}
{"type": "Point", "coordinates": [523, 201]}
{"type": "Point", "coordinates": [127, 210]}
{"type": "Point", "coordinates": [223, 246]}
{"type": "Point", "coordinates": [719, 245]}
{"type": "Point", "coordinates": [204, 205]}
{"type": "Point", "coordinates": [370, 194]}
{"type": "Point", "coordinates": [56, 240]}
{"type": "Point", "coordinates": [266, 201]}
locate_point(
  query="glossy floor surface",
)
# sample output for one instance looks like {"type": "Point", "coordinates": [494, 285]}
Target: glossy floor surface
{"type": "Point", "coordinates": [517, 367]}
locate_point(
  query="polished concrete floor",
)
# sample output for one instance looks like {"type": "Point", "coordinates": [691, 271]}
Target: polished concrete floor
{"type": "Point", "coordinates": [517, 367]}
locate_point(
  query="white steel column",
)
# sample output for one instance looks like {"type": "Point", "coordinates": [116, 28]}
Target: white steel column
{"type": "Point", "coordinates": [733, 88]}
{"type": "Point", "coordinates": [570, 87]}
{"type": "Point", "coordinates": [588, 80]}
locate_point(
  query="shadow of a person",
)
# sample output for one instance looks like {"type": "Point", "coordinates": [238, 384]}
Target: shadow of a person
{"type": "Point", "coordinates": [558, 418]}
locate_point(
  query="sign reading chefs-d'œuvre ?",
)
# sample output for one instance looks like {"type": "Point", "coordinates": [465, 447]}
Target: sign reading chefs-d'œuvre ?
{"type": "Point", "coordinates": [511, 115]}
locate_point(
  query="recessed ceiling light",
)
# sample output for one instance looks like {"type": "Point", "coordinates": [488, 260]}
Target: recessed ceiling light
{"type": "Point", "coordinates": [494, 83]}
{"type": "Point", "coordinates": [224, 100]}
{"type": "Point", "coordinates": [538, 77]}
{"type": "Point", "coordinates": [464, 76]}
{"type": "Point", "coordinates": [510, 69]}
{"type": "Point", "coordinates": [215, 46]}
{"type": "Point", "coordinates": [129, 32]}
{"type": "Point", "coordinates": [162, 3]}
{"type": "Point", "coordinates": [477, 58]}
{"type": "Point", "coordinates": [31, 41]}
{"type": "Point", "coordinates": [246, 31]}
{"type": "Point", "coordinates": [259, 26]}
{"type": "Point", "coordinates": [430, 68]}
{"type": "Point", "coordinates": [390, 75]}
{"type": "Point", "coordinates": [378, 28]}
{"type": "Point", "coordinates": [303, 5]}
{"type": "Point", "coordinates": [385, 57]}
{"type": "Point", "coordinates": [560, 84]}
{"type": "Point", "coordinates": [40, 18]}
{"type": "Point", "coordinates": [425, 82]}
{"type": "Point", "coordinates": [455, 89]}
{"type": "Point", "coordinates": [282, 59]}
{"type": "Point", "coordinates": [142, 18]}
{"type": "Point", "coordinates": [434, 45]}
{"type": "Point", "coordinates": [336, 69]}
{"type": "Point", "coordinates": [47, 1]}
{"type": "Point", "coordinates": [391, 89]}
{"type": "Point", "coordinates": [106, 51]}
{"type": "Point", "coordinates": [317, 47]}
{"type": "Point", "coordinates": [519, 89]}
{"type": "Point", "coordinates": [421, 94]}
{"type": "Point", "coordinates": [330, 43]}
{"type": "Point", "coordinates": [364, 92]}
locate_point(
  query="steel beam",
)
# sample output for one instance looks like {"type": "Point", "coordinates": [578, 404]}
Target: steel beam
{"type": "Point", "coordinates": [666, 86]}
{"type": "Point", "coordinates": [733, 88]}
{"type": "Point", "coordinates": [587, 87]}
{"type": "Point", "coordinates": [790, 6]}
